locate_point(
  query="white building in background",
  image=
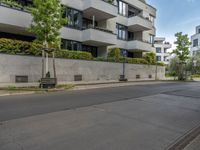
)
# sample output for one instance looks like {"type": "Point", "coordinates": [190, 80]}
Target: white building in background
{"type": "Point", "coordinates": [195, 39]}
{"type": "Point", "coordinates": [162, 47]}
{"type": "Point", "coordinates": [94, 25]}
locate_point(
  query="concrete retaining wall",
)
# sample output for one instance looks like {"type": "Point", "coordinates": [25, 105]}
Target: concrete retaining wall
{"type": "Point", "coordinates": [12, 65]}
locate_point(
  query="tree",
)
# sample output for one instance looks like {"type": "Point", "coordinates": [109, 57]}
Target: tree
{"type": "Point", "coordinates": [114, 53]}
{"type": "Point", "coordinates": [173, 66]}
{"type": "Point", "coordinates": [194, 63]}
{"type": "Point", "coordinates": [150, 58]}
{"type": "Point", "coordinates": [182, 52]}
{"type": "Point", "coordinates": [47, 21]}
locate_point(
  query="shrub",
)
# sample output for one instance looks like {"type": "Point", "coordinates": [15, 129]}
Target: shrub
{"type": "Point", "coordinates": [73, 54]}
{"type": "Point", "coordinates": [139, 61]}
{"type": "Point", "coordinates": [114, 53]}
{"type": "Point", "coordinates": [150, 58]}
{"type": "Point", "coordinates": [10, 46]}
{"type": "Point", "coordinates": [160, 64]}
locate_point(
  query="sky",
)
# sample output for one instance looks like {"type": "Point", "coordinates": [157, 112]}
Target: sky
{"type": "Point", "coordinates": [176, 16]}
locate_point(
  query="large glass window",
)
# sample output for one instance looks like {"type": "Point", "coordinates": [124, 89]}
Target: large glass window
{"type": "Point", "coordinates": [158, 58]}
{"type": "Point", "coordinates": [130, 36]}
{"type": "Point", "coordinates": [90, 49]}
{"type": "Point", "coordinates": [122, 32]}
{"type": "Point", "coordinates": [70, 45]}
{"type": "Point", "coordinates": [74, 18]}
{"type": "Point", "coordinates": [122, 8]}
{"type": "Point", "coordinates": [165, 50]}
{"type": "Point", "coordinates": [195, 42]}
{"type": "Point", "coordinates": [88, 23]}
{"type": "Point", "coordinates": [151, 40]}
{"type": "Point", "coordinates": [158, 50]}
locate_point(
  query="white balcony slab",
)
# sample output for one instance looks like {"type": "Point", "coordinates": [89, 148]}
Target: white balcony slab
{"type": "Point", "coordinates": [98, 38]}
{"type": "Point", "coordinates": [139, 46]}
{"type": "Point", "coordinates": [14, 17]}
{"type": "Point", "coordinates": [138, 23]}
{"type": "Point", "coordinates": [100, 9]}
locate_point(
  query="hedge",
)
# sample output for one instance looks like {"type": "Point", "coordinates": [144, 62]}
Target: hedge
{"type": "Point", "coordinates": [9, 46]}
{"type": "Point", "coordinates": [73, 54]}
{"type": "Point", "coordinates": [17, 47]}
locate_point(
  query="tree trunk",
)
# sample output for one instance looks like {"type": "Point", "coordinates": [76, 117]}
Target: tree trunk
{"type": "Point", "coordinates": [43, 58]}
{"type": "Point", "coordinates": [54, 66]}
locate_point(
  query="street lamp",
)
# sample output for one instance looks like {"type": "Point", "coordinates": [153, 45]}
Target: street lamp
{"type": "Point", "coordinates": [122, 77]}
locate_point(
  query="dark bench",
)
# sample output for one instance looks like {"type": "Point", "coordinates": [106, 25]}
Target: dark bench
{"type": "Point", "coordinates": [48, 82]}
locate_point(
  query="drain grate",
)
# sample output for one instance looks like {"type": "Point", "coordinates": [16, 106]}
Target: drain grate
{"type": "Point", "coordinates": [183, 141]}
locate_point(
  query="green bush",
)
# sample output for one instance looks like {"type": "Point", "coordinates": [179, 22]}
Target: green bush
{"type": "Point", "coordinates": [150, 58]}
{"type": "Point", "coordinates": [10, 46]}
{"type": "Point", "coordinates": [114, 53]}
{"type": "Point", "coordinates": [73, 54]}
{"type": "Point", "coordinates": [160, 64]}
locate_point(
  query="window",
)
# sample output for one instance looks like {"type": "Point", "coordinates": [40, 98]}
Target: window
{"type": "Point", "coordinates": [88, 23]}
{"type": "Point", "coordinates": [198, 30]}
{"type": "Point", "coordinates": [122, 8]}
{"type": "Point", "coordinates": [165, 50]}
{"type": "Point", "coordinates": [195, 42]}
{"type": "Point", "coordinates": [74, 18]}
{"type": "Point", "coordinates": [158, 58]}
{"type": "Point", "coordinates": [158, 50]}
{"type": "Point", "coordinates": [90, 49]}
{"type": "Point", "coordinates": [130, 36]}
{"type": "Point", "coordinates": [151, 18]}
{"type": "Point", "coordinates": [70, 45]}
{"type": "Point", "coordinates": [151, 39]}
{"type": "Point", "coordinates": [122, 32]}
{"type": "Point", "coordinates": [166, 58]}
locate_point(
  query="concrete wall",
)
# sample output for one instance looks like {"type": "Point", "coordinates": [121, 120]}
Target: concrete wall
{"type": "Point", "coordinates": [12, 65]}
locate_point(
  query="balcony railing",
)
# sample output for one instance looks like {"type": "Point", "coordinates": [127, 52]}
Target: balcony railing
{"type": "Point", "coordinates": [110, 2]}
{"type": "Point", "coordinates": [141, 16]}
{"type": "Point", "coordinates": [98, 28]}
{"type": "Point", "coordinates": [16, 5]}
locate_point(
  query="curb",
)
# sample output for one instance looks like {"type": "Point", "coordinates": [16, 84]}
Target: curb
{"type": "Point", "coordinates": [184, 140]}
{"type": "Point", "coordinates": [15, 94]}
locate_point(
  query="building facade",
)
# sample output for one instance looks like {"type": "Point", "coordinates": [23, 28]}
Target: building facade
{"type": "Point", "coordinates": [195, 39]}
{"type": "Point", "coordinates": [162, 47]}
{"type": "Point", "coordinates": [93, 25]}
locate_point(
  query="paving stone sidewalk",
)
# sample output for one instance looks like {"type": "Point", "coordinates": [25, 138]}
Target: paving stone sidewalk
{"type": "Point", "coordinates": [194, 145]}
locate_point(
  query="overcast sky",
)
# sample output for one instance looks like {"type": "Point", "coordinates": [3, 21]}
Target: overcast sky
{"type": "Point", "coordinates": [176, 16]}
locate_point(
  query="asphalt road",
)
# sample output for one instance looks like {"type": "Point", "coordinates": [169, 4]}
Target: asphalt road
{"type": "Point", "coordinates": [144, 117]}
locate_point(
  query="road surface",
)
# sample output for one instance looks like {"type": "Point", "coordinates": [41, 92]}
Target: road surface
{"type": "Point", "coordinates": [143, 117]}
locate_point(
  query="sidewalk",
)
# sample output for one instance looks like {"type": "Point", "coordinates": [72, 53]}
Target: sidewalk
{"type": "Point", "coordinates": [10, 93]}
{"type": "Point", "coordinates": [75, 86]}
{"type": "Point", "coordinates": [80, 83]}
{"type": "Point", "coordinates": [194, 145]}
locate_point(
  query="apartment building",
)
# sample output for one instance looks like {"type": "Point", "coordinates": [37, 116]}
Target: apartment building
{"type": "Point", "coordinates": [162, 47]}
{"type": "Point", "coordinates": [195, 39]}
{"type": "Point", "coordinates": [94, 25]}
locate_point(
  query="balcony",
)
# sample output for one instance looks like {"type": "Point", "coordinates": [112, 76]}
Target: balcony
{"type": "Point", "coordinates": [98, 37]}
{"type": "Point", "coordinates": [139, 23]}
{"type": "Point", "coordinates": [137, 45]}
{"type": "Point", "coordinates": [100, 9]}
{"type": "Point", "coordinates": [14, 17]}
{"type": "Point", "coordinates": [14, 20]}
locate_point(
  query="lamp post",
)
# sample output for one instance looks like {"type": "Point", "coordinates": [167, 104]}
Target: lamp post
{"type": "Point", "coordinates": [122, 77]}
